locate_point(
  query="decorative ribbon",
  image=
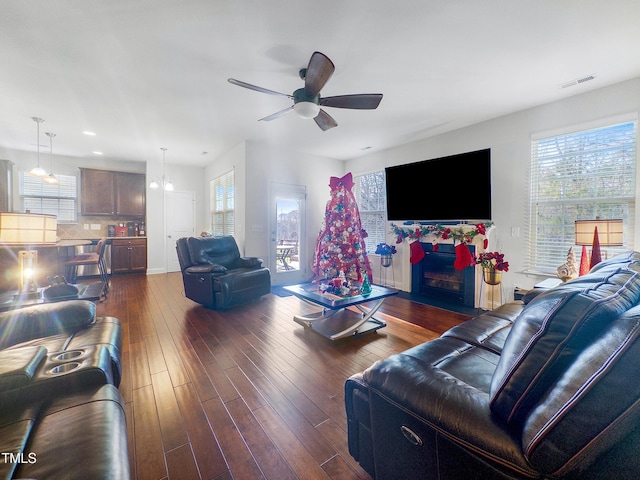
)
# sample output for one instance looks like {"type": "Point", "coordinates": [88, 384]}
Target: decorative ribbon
{"type": "Point", "coordinates": [346, 182]}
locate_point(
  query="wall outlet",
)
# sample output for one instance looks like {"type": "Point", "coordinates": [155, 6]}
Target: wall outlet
{"type": "Point", "coordinates": [515, 231]}
{"type": "Point", "coordinates": [95, 226]}
{"type": "Point", "coordinates": [86, 226]}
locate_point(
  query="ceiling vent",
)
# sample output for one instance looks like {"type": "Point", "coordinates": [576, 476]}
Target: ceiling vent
{"type": "Point", "coordinates": [578, 81]}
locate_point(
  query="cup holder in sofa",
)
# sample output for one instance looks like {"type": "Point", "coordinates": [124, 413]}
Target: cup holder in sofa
{"type": "Point", "coordinates": [89, 365]}
{"type": "Point", "coordinates": [70, 355]}
{"type": "Point", "coordinates": [64, 368]}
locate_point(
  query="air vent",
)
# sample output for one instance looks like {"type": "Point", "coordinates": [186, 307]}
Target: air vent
{"type": "Point", "coordinates": [577, 81]}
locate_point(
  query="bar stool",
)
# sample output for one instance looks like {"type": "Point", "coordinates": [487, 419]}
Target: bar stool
{"type": "Point", "coordinates": [91, 258]}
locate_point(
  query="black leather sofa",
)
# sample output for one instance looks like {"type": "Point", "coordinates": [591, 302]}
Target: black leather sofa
{"type": "Point", "coordinates": [216, 276]}
{"type": "Point", "coordinates": [544, 388]}
{"type": "Point", "coordinates": [61, 414]}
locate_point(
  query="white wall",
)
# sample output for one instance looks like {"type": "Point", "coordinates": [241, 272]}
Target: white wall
{"type": "Point", "coordinates": [268, 165]}
{"type": "Point", "coordinates": [509, 138]}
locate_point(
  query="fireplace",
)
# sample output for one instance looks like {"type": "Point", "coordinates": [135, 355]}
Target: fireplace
{"type": "Point", "coordinates": [435, 276]}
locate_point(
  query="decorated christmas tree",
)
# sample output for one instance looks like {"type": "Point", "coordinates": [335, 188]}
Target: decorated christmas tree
{"type": "Point", "coordinates": [341, 246]}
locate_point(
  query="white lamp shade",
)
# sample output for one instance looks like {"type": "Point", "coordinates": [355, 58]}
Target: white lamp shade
{"type": "Point", "coordinates": [609, 232]}
{"type": "Point", "coordinates": [28, 228]}
{"type": "Point", "coordinates": [306, 110]}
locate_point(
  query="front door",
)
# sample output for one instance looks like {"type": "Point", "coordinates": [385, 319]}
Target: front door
{"type": "Point", "coordinates": [288, 253]}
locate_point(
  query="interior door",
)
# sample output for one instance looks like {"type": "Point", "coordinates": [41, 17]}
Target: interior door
{"type": "Point", "coordinates": [180, 222]}
{"type": "Point", "coordinates": [288, 253]}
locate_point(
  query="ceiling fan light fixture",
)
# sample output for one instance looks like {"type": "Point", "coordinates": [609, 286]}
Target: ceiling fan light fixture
{"type": "Point", "coordinates": [306, 110]}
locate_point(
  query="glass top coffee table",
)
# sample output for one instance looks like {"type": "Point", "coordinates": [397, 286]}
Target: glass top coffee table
{"type": "Point", "coordinates": [336, 320]}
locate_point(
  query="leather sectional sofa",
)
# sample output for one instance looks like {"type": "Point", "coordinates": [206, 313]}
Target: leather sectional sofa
{"type": "Point", "coordinates": [216, 276]}
{"type": "Point", "coordinates": [61, 414]}
{"type": "Point", "coordinates": [544, 388]}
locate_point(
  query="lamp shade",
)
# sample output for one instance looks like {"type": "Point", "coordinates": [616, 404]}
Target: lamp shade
{"type": "Point", "coordinates": [27, 228]}
{"type": "Point", "coordinates": [609, 232]}
{"type": "Point", "coordinates": [306, 110]}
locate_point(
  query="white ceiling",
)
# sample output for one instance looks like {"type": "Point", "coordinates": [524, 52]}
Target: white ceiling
{"type": "Point", "coordinates": [145, 74]}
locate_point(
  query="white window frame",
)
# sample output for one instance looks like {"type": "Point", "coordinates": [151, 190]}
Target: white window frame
{"type": "Point", "coordinates": [373, 211]}
{"type": "Point", "coordinates": [604, 158]}
{"type": "Point", "coordinates": [60, 199]}
{"type": "Point", "coordinates": [223, 204]}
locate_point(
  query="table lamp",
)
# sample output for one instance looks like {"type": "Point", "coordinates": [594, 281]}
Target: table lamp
{"type": "Point", "coordinates": [597, 233]}
{"type": "Point", "coordinates": [27, 230]}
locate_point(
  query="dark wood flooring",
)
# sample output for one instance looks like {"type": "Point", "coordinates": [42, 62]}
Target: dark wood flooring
{"type": "Point", "coordinates": [246, 393]}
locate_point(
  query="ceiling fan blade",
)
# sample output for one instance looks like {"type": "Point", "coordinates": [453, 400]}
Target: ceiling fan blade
{"type": "Point", "coordinates": [279, 114]}
{"type": "Point", "coordinates": [325, 121]}
{"type": "Point", "coordinates": [365, 101]}
{"type": "Point", "coordinates": [318, 73]}
{"type": "Point", "coordinates": [257, 89]}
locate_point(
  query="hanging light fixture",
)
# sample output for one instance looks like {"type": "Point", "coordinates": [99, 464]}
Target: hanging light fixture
{"type": "Point", "coordinates": [51, 178]}
{"type": "Point", "coordinates": [38, 171]}
{"type": "Point", "coordinates": [166, 183]}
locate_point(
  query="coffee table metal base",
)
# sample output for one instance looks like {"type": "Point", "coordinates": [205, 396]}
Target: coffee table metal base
{"type": "Point", "coordinates": [343, 322]}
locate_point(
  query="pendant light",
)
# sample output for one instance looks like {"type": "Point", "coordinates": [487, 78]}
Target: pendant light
{"type": "Point", "coordinates": [38, 171]}
{"type": "Point", "coordinates": [51, 178]}
{"type": "Point", "coordinates": [166, 183]}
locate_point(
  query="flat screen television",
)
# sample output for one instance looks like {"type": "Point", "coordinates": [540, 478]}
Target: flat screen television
{"type": "Point", "coordinates": [446, 189]}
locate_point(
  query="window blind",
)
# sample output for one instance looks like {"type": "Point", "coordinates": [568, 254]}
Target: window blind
{"type": "Point", "coordinates": [579, 176]}
{"type": "Point", "coordinates": [372, 204]}
{"type": "Point", "coordinates": [223, 204]}
{"type": "Point", "coordinates": [41, 197]}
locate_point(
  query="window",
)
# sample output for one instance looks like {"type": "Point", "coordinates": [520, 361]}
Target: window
{"type": "Point", "coordinates": [41, 197]}
{"type": "Point", "coordinates": [222, 204]}
{"type": "Point", "coordinates": [579, 176]}
{"type": "Point", "coordinates": [372, 203]}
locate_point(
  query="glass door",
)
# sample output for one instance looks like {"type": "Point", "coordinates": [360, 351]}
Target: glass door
{"type": "Point", "coordinates": [288, 262]}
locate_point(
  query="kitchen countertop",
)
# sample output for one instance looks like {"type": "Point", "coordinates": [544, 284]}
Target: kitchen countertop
{"type": "Point", "coordinates": [95, 239]}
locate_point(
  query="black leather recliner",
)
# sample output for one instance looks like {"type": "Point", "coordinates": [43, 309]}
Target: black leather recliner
{"type": "Point", "coordinates": [216, 276]}
{"type": "Point", "coordinates": [61, 414]}
{"type": "Point", "coordinates": [541, 389]}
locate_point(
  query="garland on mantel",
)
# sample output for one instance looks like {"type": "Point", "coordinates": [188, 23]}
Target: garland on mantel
{"type": "Point", "coordinates": [463, 237]}
{"type": "Point", "coordinates": [457, 234]}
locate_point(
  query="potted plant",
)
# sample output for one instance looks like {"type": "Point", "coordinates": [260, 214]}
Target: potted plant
{"type": "Point", "coordinates": [493, 264]}
{"type": "Point", "coordinates": [385, 251]}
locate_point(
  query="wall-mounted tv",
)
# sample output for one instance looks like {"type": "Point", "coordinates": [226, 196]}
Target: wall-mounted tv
{"type": "Point", "coordinates": [446, 189]}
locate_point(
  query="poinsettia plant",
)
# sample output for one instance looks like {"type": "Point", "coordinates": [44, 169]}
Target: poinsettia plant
{"type": "Point", "coordinates": [492, 260]}
{"type": "Point", "coordinates": [385, 249]}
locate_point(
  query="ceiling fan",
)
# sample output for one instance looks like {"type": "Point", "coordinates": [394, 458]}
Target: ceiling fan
{"type": "Point", "coordinates": [307, 100]}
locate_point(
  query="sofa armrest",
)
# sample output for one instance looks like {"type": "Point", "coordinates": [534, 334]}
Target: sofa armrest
{"type": "Point", "coordinates": [38, 321]}
{"type": "Point", "coordinates": [206, 268]}
{"type": "Point", "coordinates": [249, 262]}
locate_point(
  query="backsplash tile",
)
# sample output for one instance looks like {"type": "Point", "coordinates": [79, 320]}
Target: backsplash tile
{"type": "Point", "coordinates": [77, 231]}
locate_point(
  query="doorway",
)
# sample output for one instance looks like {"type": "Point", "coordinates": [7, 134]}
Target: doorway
{"type": "Point", "coordinates": [288, 253]}
{"type": "Point", "coordinates": [180, 222]}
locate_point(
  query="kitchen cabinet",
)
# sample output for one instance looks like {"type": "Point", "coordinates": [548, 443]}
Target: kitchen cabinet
{"type": "Point", "coordinates": [128, 255]}
{"type": "Point", "coordinates": [106, 192]}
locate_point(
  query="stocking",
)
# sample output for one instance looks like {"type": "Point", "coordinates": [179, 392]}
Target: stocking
{"type": "Point", "coordinates": [417, 252]}
{"type": "Point", "coordinates": [463, 257]}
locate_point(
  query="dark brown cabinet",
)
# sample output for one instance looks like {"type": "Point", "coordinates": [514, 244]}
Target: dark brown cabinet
{"type": "Point", "coordinates": [112, 193]}
{"type": "Point", "coordinates": [128, 255]}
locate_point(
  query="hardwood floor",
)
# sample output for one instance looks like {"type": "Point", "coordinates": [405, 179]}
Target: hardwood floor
{"type": "Point", "coordinates": [246, 393]}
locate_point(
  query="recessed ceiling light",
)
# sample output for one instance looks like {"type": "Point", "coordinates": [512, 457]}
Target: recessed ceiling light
{"type": "Point", "coordinates": [97, 153]}
{"type": "Point", "coordinates": [89, 133]}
